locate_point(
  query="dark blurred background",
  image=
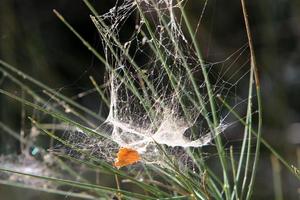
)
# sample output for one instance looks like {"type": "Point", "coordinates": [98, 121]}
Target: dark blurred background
{"type": "Point", "coordinates": [33, 39]}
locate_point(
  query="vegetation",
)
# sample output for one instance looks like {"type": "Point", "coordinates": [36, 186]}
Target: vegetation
{"type": "Point", "coordinates": [160, 100]}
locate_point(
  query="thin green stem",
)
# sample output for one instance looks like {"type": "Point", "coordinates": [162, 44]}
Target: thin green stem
{"type": "Point", "coordinates": [277, 183]}
{"type": "Point", "coordinates": [219, 144]}
{"type": "Point", "coordinates": [263, 141]}
{"type": "Point", "coordinates": [259, 103]}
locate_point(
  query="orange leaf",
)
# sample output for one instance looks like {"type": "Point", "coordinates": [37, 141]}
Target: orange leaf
{"type": "Point", "coordinates": [126, 156]}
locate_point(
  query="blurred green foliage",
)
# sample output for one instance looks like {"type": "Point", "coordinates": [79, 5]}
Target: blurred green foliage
{"type": "Point", "coordinates": [35, 41]}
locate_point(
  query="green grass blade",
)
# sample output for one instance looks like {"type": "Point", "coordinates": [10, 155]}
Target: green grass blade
{"type": "Point", "coordinates": [48, 190]}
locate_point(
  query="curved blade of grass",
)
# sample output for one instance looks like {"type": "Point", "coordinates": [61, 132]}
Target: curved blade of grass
{"type": "Point", "coordinates": [246, 144]}
{"type": "Point", "coordinates": [263, 141]}
{"type": "Point", "coordinates": [259, 103]}
{"type": "Point", "coordinates": [53, 191]}
{"type": "Point", "coordinates": [81, 185]}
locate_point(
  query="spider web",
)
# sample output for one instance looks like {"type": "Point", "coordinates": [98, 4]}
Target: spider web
{"type": "Point", "coordinates": [155, 79]}
{"type": "Point", "coordinates": [152, 76]}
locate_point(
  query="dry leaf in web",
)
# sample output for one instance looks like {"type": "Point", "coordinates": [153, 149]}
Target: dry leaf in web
{"type": "Point", "coordinates": [126, 156]}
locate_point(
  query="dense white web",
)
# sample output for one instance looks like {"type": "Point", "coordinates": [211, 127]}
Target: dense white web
{"type": "Point", "coordinates": [156, 81]}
